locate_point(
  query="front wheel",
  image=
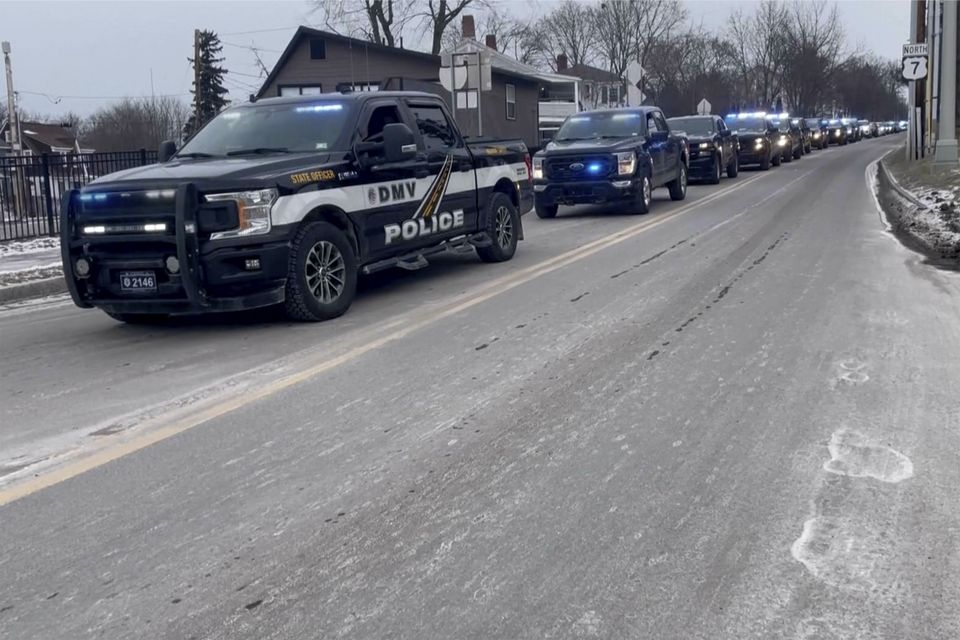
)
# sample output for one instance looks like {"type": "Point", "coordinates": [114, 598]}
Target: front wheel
{"type": "Point", "coordinates": [734, 167]}
{"type": "Point", "coordinates": [715, 176]}
{"type": "Point", "coordinates": [546, 211]}
{"type": "Point", "coordinates": [503, 228]}
{"type": "Point", "coordinates": [645, 195]}
{"type": "Point", "coordinates": [321, 274]}
{"type": "Point", "coordinates": [777, 159]}
{"type": "Point", "coordinates": [678, 186]}
{"type": "Point", "coordinates": [765, 163]}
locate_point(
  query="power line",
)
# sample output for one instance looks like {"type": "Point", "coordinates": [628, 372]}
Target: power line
{"type": "Point", "coordinates": [246, 75]}
{"type": "Point", "coordinates": [250, 46]}
{"type": "Point", "coordinates": [243, 33]}
{"type": "Point", "coordinates": [54, 98]}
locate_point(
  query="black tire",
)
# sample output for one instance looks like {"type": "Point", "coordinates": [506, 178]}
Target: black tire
{"type": "Point", "coordinates": [765, 163]}
{"type": "Point", "coordinates": [678, 186]}
{"type": "Point", "coordinates": [777, 159]}
{"type": "Point", "coordinates": [715, 176]}
{"type": "Point", "coordinates": [645, 196]}
{"type": "Point", "coordinates": [321, 274]}
{"type": "Point", "coordinates": [503, 227]}
{"type": "Point", "coordinates": [798, 153]}
{"type": "Point", "coordinates": [139, 318]}
{"type": "Point", "coordinates": [546, 211]}
{"type": "Point", "coordinates": [734, 167]}
{"type": "Point", "coordinates": [788, 157]}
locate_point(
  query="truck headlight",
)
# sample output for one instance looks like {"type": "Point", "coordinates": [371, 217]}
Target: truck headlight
{"type": "Point", "coordinates": [782, 141]}
{"type": "Point", "coordinates": [538, 168]}
{"type": "Point", "coordinates": [704, 145]}
{"type": "Point", "coordinates": [758, 143]}
{"type": "Point", "coordinates": [253, 209]}
{"type": "Point", "coordinates": [626, 163]}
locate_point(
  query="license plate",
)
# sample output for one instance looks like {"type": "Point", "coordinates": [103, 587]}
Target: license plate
{"type": "Point", "coordinates": [138, 281]}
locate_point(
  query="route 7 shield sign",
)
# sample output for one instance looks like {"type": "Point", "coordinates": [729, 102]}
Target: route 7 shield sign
{"type": "Point", "coordinates": [914, 68]}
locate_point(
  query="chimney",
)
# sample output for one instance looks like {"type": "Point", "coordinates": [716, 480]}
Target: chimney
{"type": "Point", "coordinates": [469, 30]}
{"type": "Point", "coordinates": [491, 41]}
{"type": "Point", "coordinates": [562, 62]}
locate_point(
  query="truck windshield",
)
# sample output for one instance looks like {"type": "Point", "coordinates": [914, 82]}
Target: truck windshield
{"type": "Point", "coordinates": [757, 125]}
{"type": "Point", "coordinates": [281, 128]}
{"type": "Point", "coordinates": [693, 126]}
{"type": "Point", "coordinates": [813, 123]}
{"type": "Point", "coordinates": [587, 126]}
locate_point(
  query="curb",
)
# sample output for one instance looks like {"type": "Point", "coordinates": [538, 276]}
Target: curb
{"type": "Point", "coordinates": [34, 289]}
{"type": "Point", "coordinates": [907, 195]}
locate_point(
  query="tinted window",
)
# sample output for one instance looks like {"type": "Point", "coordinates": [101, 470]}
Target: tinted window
{"type": "Point", "coordinates": [601, 124]}
{"type": "Point", "coordinates": [379, 118]}
{"type": "Point", "coordinates": [299, 127]}
{"type": "Point", "coordinates": [661, 122]}
{"type": "Point", "coordinates": [318, 49]}
{"type": "Point", "coordinates": [693, 126]}
{"type": "Point", "coordinates": [434, 127]}
{"type": "Point", "coordinates": [752, 124]}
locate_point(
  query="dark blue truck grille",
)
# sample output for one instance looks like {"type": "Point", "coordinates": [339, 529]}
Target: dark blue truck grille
{"type": "Point", "coordinates": [587, 167]}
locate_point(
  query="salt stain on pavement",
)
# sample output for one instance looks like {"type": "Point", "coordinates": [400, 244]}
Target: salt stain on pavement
{"type": "Point", "coordinates": [853, 454]}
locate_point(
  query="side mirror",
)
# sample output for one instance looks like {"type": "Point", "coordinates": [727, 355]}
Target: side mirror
{"type": "Point", "coordinates": [398, 143]}
{"type": "Point", "coordinates": [166, 150]}
{"type": "Point", "coordinates": [659, 136]}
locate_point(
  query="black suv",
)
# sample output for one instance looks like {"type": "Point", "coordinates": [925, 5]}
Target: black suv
{"type": "Point", "coordinates": [837, 132]}
{"type": "Point", "coordinates": [790, 140]}
{"type": "Point", "coordinates": [612, 155]}
{"type": "Point", "coordinates": [757, 137]}
{"type": "Point", "coordinates": [806, 133]}
{"type": "Point", "coordinates": [818, 133]}
{"type": "Point", "coordinates": [714, 148]}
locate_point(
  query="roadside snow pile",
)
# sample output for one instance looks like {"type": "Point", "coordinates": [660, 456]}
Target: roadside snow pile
{"type": "Point", "coordinates": [10, 278]}
{"type": "Point", "coordinates": [34, 245]}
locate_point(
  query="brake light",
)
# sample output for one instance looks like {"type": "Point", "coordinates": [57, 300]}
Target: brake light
{"type": "Point", "coordinates": [529, 162]}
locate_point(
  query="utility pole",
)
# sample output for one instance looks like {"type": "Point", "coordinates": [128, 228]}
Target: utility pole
{"type": "Point", "coordinates": [196, 78]}
{"type": "Point", "coordinates": [13, 126]}
{"type": "Point", "coordinates": [946, 151]}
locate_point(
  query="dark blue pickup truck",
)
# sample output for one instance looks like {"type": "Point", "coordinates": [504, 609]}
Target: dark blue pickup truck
{"type": "Point", "coordinates": [610, 156]}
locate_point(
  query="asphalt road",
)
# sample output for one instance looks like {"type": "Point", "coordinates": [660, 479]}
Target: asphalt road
{"type": "Point", "coordinates": [736, 417]}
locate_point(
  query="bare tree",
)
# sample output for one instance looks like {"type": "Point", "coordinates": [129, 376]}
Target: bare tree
{"type": "Point", "coordinates": [509, 32]}
{"type": "Point", "coordinates": [616, 24]}
{"type": "Point", "coordinates": [379, 21]}
{"type": "Point", "coordinates": [655, 21]}
{"type": "Point", "coordinates": [761, 46]}
{"type": "Point", "coordinates": [135, 123]}
{"type": "Point", "coordinates": [569, 29]}
{"type": "Point", "coordinates": [812, 55]}
{"type": "Point", "coordinates": [437, 15]}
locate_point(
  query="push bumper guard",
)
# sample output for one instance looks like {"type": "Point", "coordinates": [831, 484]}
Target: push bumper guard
{"type": "Point", "coordinates": [183, 292]}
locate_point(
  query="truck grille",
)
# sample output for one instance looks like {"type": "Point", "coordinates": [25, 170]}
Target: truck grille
{"type": "Point", "coordinates": [580, 167]}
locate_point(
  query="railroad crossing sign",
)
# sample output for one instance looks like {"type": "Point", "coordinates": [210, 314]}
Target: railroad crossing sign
{"type": "Point", "coordinates": [704, 107]}
{"type": "Point", "coordinates": [914, 61]}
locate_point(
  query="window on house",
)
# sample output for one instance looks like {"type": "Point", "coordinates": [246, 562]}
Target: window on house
{"type": "Point", "coordinates": [301, 90]}
{"type": "Point", "coordinates": [318, 49]}
{"type": "Point", "coordinates": [511, 102]}
{"type": "Point", "coordinates": [434, 127]}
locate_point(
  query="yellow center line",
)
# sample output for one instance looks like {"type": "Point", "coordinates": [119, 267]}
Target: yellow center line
{"type": "Point", "coordinates": [169, 424]}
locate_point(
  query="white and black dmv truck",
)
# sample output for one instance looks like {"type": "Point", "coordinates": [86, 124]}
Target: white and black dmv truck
{"type": "Point", "coordinates": [285, 201]}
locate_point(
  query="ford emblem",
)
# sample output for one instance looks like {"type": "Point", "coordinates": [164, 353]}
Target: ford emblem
{"type": "Point", "coordinates": [576, 166]}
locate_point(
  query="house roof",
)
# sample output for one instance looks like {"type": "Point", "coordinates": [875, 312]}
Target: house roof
{"type": "Point", "coordinates": [336, 37]}
{"type": "Point", "coordinates": [505, 63]}
{"type": "Point", "coordinates": [50, 135]}
{"type": "Point", "coordinates": [586, 72]}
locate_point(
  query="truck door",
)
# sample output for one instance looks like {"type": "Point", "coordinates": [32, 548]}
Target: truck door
{"type": "Point", "coordinates": [391, 193]}
{"type": "Point", "coordinates": [726, 139]}
{"type": "Point", "coordinates": [453, 179]}
{"type": "Point", "coordinates": [657, 150]}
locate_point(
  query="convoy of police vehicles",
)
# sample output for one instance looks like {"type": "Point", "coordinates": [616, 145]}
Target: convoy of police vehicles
{"type": "Point", "coordinates": [286, 201]}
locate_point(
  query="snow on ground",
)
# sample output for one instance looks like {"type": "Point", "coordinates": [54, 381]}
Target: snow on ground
{"type": "Point", "coordinates": [40, 272]}
{"type": "Point", "coordinates": [33, 245]}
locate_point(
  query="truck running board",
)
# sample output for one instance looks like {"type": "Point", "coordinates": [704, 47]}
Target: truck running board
{"type": "Point", "coordinates": [418, 259]}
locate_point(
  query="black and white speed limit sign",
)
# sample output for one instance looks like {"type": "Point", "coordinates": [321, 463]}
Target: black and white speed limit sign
{"type": "Point", "coordinates": [914, 68]}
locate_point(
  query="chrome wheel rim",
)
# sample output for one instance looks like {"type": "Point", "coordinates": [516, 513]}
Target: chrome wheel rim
{"type": "Point", "coordinates": [647, 191]}
{"type": "Point", "coordinates": [683, 179]}
{"type": "Point", "coordinates": [504, 227]}
{"type": "Point", "coordinates": [326, 271]}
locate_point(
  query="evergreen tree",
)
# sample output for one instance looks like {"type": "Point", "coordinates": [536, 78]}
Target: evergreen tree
{"type": "Point", "coordinates": [208, 82]}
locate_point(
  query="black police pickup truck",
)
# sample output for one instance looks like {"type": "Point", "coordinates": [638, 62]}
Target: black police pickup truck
{"type": "Point", "coordinates": [714, 148]}
{"type": "Point", "coordinates": [758, 139]}
{"type": "Point", "coordinates": [285, 201]}
{"type": "Point", "coordinates": [612, 155]}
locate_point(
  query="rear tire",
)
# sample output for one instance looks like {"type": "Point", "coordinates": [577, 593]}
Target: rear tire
{"type": "Point", "coordinates": [788, 157]}
{"type": "Point", "coordinates": [715, 176]}
{"type": "Point", "coordinates": [777, 160]}
{"type": "Point", "coordinates": [138, 318]}
{"type": "Point", "coordinates": [546, 211]}
{"type": "Point", "coordinates": [678, 186]}
{"type": "Point", "coordinates": [503, 228]}
{"type": "Point", "coordinates": [321, 274]}
{"type": "Point", "coordinates": [734, 167]}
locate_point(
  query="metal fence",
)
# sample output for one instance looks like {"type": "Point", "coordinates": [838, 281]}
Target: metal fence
{"type": "Point", "coordinates": [31, 186]}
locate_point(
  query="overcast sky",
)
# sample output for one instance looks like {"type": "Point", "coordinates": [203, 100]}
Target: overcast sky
{"type": "Point", "coordinates": [83, 54]}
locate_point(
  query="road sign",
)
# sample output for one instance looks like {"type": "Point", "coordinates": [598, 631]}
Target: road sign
{"type": "Point", "coordinates": [704, 107]}
{"type": "Point", "coordinates": [915, 50]}
{"type": "Point", "coordinates": [914, 68]}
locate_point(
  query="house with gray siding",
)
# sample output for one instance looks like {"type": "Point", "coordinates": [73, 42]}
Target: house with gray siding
{"type": "Point", "coordinates": [318, 61]}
